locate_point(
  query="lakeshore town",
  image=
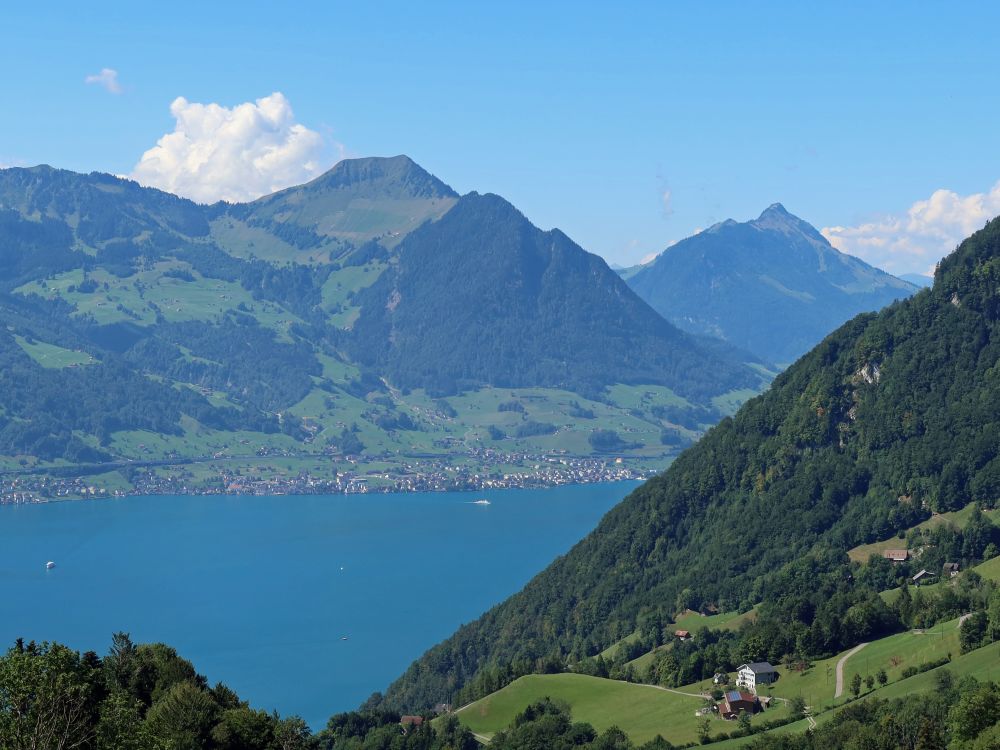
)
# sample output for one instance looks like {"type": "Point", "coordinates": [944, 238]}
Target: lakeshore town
{"type": "Point", "coordinates": [478, 469]}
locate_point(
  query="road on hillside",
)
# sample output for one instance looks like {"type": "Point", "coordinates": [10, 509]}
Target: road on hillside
{"type": "Point", "coordinates": [840, 668]}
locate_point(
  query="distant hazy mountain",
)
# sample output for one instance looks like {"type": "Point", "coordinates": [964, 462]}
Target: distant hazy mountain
{"type": "Point", "coordinates": [356, 201]}
{"type": "Point", "coordinates": [917, 279]}
{"type": "Point", "coordinates": [773, 286]}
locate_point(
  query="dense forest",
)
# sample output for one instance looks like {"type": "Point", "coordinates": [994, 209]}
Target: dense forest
{"type": "Point", "coordinates": [892, 417]}
{"type": "Point", "coordinates": [137, 697]}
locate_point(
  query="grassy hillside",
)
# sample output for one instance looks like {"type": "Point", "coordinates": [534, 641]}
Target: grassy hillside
{"type": "Point", "coordinates": [641, 711]}
{"type": "Point", "coordinates": [982, 664]}
{"type": "Point", "coordinates": [958, 518]}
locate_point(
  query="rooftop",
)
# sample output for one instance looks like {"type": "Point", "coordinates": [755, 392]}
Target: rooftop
{"type": "Point", "coordinates": [759, 666]}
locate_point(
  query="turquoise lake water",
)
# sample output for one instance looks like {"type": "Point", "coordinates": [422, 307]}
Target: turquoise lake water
{"type": "Point", "coordinates": [258, 592]}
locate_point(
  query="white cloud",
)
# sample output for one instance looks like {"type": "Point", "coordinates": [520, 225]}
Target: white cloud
{"type": "Point", "coordinates": [107, 78]}
{"type": "Point", "coordinates": [917, 240]}
{"type": "Point", "coordinates": [666, 197]}
{"type": "Point", "coordinates": [234, 154]}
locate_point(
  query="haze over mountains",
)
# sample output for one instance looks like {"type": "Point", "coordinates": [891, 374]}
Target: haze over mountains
{"type": "Point", "coordinates": [773, 286]}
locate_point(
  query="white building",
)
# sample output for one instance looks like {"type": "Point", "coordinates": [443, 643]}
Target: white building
{"type": "Point", "coordinates": [749, 676]}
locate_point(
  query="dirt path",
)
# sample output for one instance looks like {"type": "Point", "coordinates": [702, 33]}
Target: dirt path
{"type": "Point", "coordinates": [840, 668]}
{"type": "Point", "coordinates": [666, 690]}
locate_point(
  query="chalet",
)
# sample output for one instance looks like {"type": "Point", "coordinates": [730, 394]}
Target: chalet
{"type": "Point", "coordinates": [735, 702]}
{"type": "Point", "coordinates": [896, 555]}
{"type": "Point", "coordinates": [924, 576]}
{"type": "Point", "coordinates": [682, 635]}
{"type": "Point", "coordinates": [950, 569]}
{"type": "Point", "coordinates": [751, 675]}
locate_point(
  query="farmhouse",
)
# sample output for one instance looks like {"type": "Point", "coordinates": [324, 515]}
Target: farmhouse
{"type": "Point", "coordinates": [896, 555]}
{"type": "Point", "coordinates": [749, 676]}
{"type": "Point", "coordinates": [735, 702]}
{"type": "Point", "coordinates": [682, 634]}
{"type": "Point", "coordinates": [951, 569]}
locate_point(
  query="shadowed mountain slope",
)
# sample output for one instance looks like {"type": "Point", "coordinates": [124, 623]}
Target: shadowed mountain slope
{"type": "Point", "coordinates": [484, 297]}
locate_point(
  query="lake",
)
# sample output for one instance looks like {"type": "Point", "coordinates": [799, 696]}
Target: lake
{"type": "Point", "coordinates": [260, 592]}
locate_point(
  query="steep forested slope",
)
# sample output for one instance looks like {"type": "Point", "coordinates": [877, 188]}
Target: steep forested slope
{"type": "Point", "coordinates": [482, 296]}
{"type": "Point", "coordinates": [890, 417]}
{"type": "Point", "coordinates": [773, 286]}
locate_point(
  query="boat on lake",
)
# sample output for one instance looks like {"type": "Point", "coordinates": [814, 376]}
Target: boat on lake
{"type": "Point", "coordinates": [49, 565]}
{"type": "Point", "coordinates": [481, 501]}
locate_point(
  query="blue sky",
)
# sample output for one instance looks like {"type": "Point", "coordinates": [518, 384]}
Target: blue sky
{"type": "Point", "coordinates": [879, 123]}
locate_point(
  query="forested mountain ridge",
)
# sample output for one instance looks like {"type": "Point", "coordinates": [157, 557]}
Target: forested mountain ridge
{"type": "Point", "coordinates": [483, 296]}
{"type": "Point", "coordinates": [179, 331]}
{"type": "Point", "coordinates": [892, 416]}
{"type": "Point", "coordinates": [773, 286]}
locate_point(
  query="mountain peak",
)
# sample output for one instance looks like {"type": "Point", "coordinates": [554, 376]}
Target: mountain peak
{"type": "Point", "coordinates": [774, 210]}
{"type": "Point", "coordinates": [355, 201]}
{"type": "Point", "coordinates": [777, 218]}
{"type": "Point", "coordinates": [398, 175]}
{"type": "Point", "coordinates": [773, 285]}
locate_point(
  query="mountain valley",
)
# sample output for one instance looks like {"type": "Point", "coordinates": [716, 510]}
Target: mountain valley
{"type": "Point", "coordinates": [368, 330]}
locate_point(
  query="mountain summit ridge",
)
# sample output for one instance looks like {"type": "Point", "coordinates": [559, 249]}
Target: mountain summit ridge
{"type": "Point", "coordinates": [532, 304]}
{"type": "Point", "coordinates": [772, 285]}
{"type": "Point", "coordinates": [353, 202]}
{"type": "Point", "coordinates": [401, 174]}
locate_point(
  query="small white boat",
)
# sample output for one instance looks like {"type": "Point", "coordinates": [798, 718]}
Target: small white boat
{"type": "Point", "coordinates": [49, 565]}
{"type": "Point", "coordinates": [481, 501]}
{"type": "Point", "coordinates": [343, 637]}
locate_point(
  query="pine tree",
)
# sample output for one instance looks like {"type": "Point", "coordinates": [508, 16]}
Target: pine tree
{"type": "Point", "coordinates": [930, 736]}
